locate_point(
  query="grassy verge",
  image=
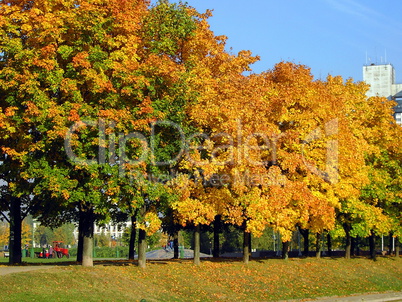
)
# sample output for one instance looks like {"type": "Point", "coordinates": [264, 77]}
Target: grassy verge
{"type": "Point", "coordinates": [34, 261]}
{"type": "Point", "coordinates": [180, 280]}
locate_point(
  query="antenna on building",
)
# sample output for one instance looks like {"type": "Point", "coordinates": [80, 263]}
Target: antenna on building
{"type": "Point", "coordinates": [385, 56]}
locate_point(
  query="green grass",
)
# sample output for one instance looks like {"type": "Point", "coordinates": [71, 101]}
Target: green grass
{"type": "Point", "coordinates": [225, 280]}
{"type": "Point", "coordinates": [29, 261]}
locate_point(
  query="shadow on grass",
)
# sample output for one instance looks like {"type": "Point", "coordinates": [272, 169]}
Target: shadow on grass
{"type": "Point", "coordinates": [126, 262]}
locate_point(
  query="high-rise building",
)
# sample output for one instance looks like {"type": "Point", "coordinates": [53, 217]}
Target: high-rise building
{"type": "Point", "coordinates": [381, 79]}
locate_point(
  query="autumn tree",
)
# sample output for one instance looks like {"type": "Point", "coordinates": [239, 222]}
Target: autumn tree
{"type": "Point", "coordinates": [199, 197]}
{"type": "Point", "coordinates": [279, 148]}
{"type": "Point", "coordinates": [345, 98]}
{"type": "Point", "coordinates": [302, 155]}
{"type": "Point", "coordinates": [166, 31]}
{"type": "Point", "coordinates": [96, 76]}
{"type": "Point", "coordinates": [251, 131]}
{"type": "Point", "coordinates": [69, 72]}
{"type": "Point", "coordinates": [257, 127]}
{"type": "Point", "coordinates": [381, 196]}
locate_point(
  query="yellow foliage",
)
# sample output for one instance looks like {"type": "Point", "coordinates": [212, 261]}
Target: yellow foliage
{"type": "Point", "coordinates": [4, 234]}
{"type": "Point", "coordinates": [151, 223]}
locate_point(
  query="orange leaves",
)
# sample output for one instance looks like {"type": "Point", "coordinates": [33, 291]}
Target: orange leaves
{"type": "Point", "coordinates": [145, 107]}
{"type": "Point", "coordinates": [80, 60]}
{"type": "Point", "coordinates": [32, 109]}
{"type": "Point", "coordinates": [66, 195]}
{"type": "Point", "coordinates": [74, 116]}
{"type": "Point", "coordinates": [14, 153]}
{"type": "Point", "coordinates": [161, 65]}
{"type": "Point", "coordinates": [45, 58]}
{"type": "Point", "coordinates": [10, 111]}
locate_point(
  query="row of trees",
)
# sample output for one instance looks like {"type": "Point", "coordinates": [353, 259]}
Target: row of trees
{"type": "Point", "coordinates": [120, 110]}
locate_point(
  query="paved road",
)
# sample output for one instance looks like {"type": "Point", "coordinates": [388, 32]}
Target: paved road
{"type": "Point", "coordinates": [168, 254]}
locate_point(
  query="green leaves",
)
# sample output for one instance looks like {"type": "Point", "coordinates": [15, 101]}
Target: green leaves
{"type": "Point", "coordinates": [65, 51]}
{"type": "Point", "coordinates": [166, 28]}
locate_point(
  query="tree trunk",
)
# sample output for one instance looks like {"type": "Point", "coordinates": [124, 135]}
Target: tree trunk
{"type": "Point", "coordinates": [348, 244]}
{"type": "Point", "coordinates": [246, 247]}
{"type": "Point", "coordinates": [142, 248]}
{"type": "Point", "coordinates": [353, 246]}
{"type": "Point", "coordinates": [88, 237]}
{"type": "Point", "coordinates": [397, 248]}
{"type": "Point", "coordinates": [306, 242]}
{"type": "Point", "coordinates": [318, 246]}
{"type": "Point", "coordinates": [285, 250]}
{"type": "Point", "coordinates": [217, 229]}
{"type": "Point", "coordinates": [250, 245]}
{"type": "Point", "coordinates": [329, 244]}
{"type": "Point", "coordinates": [80, 246]}
{"type": "Point", "coordinates": [357, 246]}
{"type": "Point", "coordinates": [87, 255]}
{"type": "Point", "coordinates": [15, 253]}
{"type": "Point", "coordinates": [373, 252]}
{"type": "Point", "coordinates": [197, 244]}
{"type": "Point", "coordinates": [133, 235]}
{"type": "Point", "coordinates": [142, 242]}
{"type": "Point", "coordinates": [390, 246]}
{"type": "Point", "coordinates": [176, 245]}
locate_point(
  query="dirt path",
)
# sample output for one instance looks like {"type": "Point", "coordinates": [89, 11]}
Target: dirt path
{"type": "Point", "coordinates": [374, 297]}
{"type": "Point", "coordinates": [5, 270]}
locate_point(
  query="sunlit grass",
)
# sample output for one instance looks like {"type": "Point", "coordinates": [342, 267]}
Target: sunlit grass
{"type": "Point", "coordinates": [226, 280]}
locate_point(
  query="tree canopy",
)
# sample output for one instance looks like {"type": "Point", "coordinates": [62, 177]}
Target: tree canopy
{"type": "Point", "coordinates": [114, 108]}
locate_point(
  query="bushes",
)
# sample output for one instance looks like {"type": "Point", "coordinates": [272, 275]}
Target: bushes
{"type": "Point", "coordinates": [105, 252]}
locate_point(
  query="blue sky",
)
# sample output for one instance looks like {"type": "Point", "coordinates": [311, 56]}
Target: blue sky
{"type": "Point", "coordinates": [334, 37]}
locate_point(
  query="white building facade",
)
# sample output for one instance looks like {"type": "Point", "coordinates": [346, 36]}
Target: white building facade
{"type": "Point", "coordinates": [115, 232]}
{"type": "Point", "coordinates": [381, 79]}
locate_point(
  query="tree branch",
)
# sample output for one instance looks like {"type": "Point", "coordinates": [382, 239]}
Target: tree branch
{"type": "Point", "coordinates": [5, 217]}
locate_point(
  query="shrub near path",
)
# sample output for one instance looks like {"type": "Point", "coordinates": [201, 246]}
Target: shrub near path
{"type": "Point", "coordinates": [224, 280]}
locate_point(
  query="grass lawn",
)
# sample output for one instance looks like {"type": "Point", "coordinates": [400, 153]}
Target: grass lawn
{"type": "Point", "coordinates": [213, 280]}
{"type": "Point", "coordinates": [34, 261]}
